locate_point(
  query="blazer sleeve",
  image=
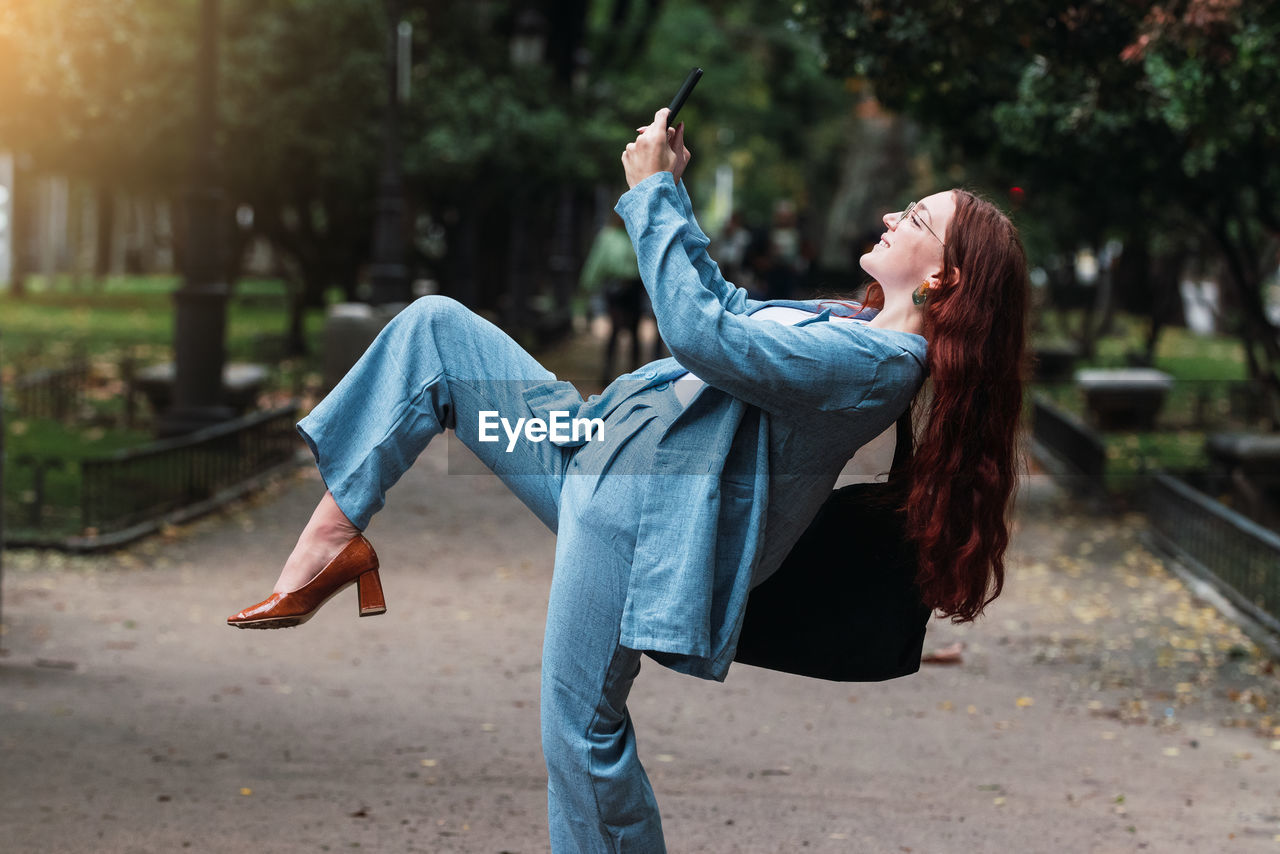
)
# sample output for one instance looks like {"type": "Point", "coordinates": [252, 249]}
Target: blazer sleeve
{"type": "Point", "coordinates": [734, 299]}
{"type": "Point", "coordinates": [822, 366]}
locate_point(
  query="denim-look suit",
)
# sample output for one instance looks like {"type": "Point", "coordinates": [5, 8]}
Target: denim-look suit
{"type": "Point", "coordinates": [663, 524]}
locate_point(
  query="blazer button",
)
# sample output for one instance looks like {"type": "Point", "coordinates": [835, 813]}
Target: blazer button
{"type": "Point", "coordinates": [662, 386]}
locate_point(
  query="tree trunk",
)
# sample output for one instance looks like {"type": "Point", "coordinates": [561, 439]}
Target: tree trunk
{"type": "Point", "coordinates": [104, 232]}
{"type": "Point", "coordinates": [295, 343]}
{"type": "Point", "coordinates": [20, 228]}
{"type": "Point", "coordinates": [1166, 300]}
{"type": "Point", "coordinates": [1245, 280]}
{"type": "Point", "coordinates": [238, 240]}
{"type": "Point", "coordinates": [1102, 314]}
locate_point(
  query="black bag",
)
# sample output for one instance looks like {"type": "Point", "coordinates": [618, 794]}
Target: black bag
{"type": "Point", "coordinates": [844, 604]}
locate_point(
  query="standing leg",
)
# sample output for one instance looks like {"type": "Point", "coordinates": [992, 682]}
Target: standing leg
{"type": "Point", "coordinates": [598, 796]}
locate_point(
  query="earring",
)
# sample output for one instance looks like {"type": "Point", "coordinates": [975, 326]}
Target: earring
{"type": "Point", "coordinates": [920, 294]}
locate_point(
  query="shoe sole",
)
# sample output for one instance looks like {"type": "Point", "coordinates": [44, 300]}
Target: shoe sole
{"type": "Point", "coordinates": [274, 623]}
{"type": "Point", "coordinates": [290, 622]}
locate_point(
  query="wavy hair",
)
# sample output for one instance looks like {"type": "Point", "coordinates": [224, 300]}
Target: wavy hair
{"type": "Point", "coordinates": [961, 479]}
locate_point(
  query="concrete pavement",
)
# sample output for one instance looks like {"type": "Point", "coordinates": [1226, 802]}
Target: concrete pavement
{"type": "Point", "coordinates": [1097, 707]}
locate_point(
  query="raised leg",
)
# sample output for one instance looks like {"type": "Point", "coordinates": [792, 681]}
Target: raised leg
{"type": "Point", "coordinates": [437, 365]}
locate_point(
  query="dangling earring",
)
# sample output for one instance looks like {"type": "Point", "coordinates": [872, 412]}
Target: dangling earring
{"type": "Point", "coordinates": [920, 294]}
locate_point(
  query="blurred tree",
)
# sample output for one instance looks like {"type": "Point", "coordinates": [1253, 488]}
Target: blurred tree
{"type": "Point", "coordinates": [1128, 119]}
{"type": "Point", "coordinates": [302, 115]}
{"type": "Point", "coordinates": [95, 89]}
{"type": "Point", "coordinates": [766, 113]}
{"type": "Point", "coordinates": [517, 114]}
{"type": "Point", "coordinates": [1212, 70]}
{"type": "Point", "coordinates": [87, 89]}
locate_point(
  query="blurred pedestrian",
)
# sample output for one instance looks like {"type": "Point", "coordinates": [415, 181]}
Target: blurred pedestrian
{"type": "Point", "coordinates": [785, 258]}
{"type": "Point", "coordinates": [732, 245]}
{"type": "Point", "coordinates": [611, 272]}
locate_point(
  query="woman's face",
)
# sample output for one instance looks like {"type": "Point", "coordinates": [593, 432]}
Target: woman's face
{"type": "Point", "coordinates": [910, 250]}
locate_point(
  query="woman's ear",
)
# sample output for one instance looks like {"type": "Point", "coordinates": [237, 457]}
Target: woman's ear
{"type": "Point", "coordinates": [935, 279]}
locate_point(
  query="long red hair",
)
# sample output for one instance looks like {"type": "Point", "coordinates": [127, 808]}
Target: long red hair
{"type": "Point", "coordinates": [963, 475]}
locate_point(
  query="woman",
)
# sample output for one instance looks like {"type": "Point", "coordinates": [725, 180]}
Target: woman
{"type": "Point", "coordinates": [706, 468]}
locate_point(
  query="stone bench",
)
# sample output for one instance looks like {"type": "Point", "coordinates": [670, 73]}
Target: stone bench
{"type": "Point", "coordinates": [1124, 398]}
{"type": "Point", "coordinates": [1258, 454]}
{"type": "Point", "coordinates": [241, 384]}
{"type": "Point", "coordinates": [1247, 465]}
{"type": "Point", "coordinates": [1053, 362]}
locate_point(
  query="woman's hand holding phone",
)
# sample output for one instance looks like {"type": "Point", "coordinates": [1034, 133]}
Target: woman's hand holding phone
{"type": "Point", "coordinates": [658, 148]}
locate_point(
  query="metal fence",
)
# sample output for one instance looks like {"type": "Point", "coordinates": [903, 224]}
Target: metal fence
{"type": "Point", "coordinates": [1238, 556]}
{"type": "Point", "coordinates": [52, 392]}
{"type": "Point", "coordinates": [124, 495]}
{"type": "Point", "coordinates": [133, 486]}
{"type": "Point", "coordinates": [1080, 449]}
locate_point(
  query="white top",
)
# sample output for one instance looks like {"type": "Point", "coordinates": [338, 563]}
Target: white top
{"type": "Point", "coordinates": [687, 385]}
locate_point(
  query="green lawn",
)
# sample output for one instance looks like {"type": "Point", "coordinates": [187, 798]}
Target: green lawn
{"type": "Point", "coordinates": [1202, 366]}
{"type": "Point", "coordinates": [29, 443]}
{"type": "Point", "coordinates": [54, 318]}
{"type": "Point", "coordinates": [122, 318]}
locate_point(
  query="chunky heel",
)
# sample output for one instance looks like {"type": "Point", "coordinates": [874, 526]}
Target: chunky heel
{"type": "Point", "coordinates": [371, 599]}
{"type": "Point", "coordinates": [356, 564]}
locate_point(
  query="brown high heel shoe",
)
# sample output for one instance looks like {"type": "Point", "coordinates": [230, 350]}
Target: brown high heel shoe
{"type": "Point", "coordinates": [357, 563]}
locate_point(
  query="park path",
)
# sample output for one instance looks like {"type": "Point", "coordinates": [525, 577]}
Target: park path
{"type": "Point", "coordinates": [1098, 706]}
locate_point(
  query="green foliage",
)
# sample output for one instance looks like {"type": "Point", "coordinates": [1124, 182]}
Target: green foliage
{"type": "Point", "coordinates": [1111, 115]}
{"type": "Point", "coordinates": [105, 90]}
{"type": "Point", "coordinates": [1149, 123]}
{"type": "Point", "coordinates": [95, 89]}
{"type": "Point", "coordinates": [766, 105]}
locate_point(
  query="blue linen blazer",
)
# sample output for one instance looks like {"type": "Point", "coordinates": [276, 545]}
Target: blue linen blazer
{"type": "Point", "coordinates": [745, 467]}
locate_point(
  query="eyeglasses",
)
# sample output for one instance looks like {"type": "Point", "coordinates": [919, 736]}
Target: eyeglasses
{"type": "Point", "coordinates": [918, 221]}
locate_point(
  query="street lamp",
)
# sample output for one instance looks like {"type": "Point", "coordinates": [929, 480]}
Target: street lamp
{"type": "Point", "coordinates": [388, 274]}
{"type": "Point", "coordinates": [201, 303]}
{"type": "Point", "coordinates": [528, 43]}
{"type": "Point", "coordinates": [528, 38]}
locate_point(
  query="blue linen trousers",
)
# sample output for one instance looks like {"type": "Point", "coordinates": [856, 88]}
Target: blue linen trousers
{"type": "Point", "coordinates": [436, 366]}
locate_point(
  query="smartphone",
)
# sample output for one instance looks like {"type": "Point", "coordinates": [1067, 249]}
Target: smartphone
{"type": "Point", "coordinates": [678, 101]}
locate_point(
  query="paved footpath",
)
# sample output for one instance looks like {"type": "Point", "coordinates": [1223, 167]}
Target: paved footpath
{"type": "Point", "coordinates": [1098, 707]}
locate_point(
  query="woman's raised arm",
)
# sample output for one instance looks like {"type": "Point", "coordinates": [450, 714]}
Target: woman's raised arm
{"type": "Point", "coordinates": [647, 156]}
{"type": "Point", "coordinates": [782, 369]}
